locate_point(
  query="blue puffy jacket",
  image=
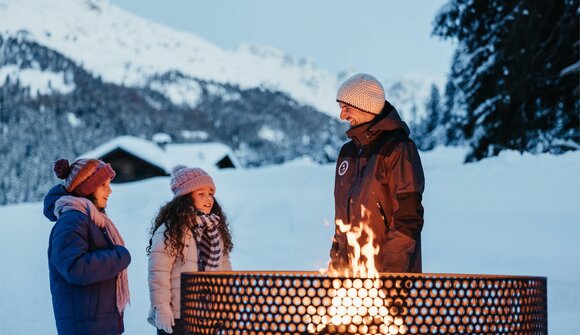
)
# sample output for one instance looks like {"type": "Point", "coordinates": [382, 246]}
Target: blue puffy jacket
{"type": "Point", "coordinates": [83, 265]}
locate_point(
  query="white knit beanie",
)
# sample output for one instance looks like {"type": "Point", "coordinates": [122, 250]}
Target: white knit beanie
{"type": "Point", "coordinates": [364, 92]}
{"type": "Point", "coordinates": [185, 180]}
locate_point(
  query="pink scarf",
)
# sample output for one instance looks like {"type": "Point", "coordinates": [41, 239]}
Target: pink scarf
{"type": "Point", "coordinates": [85, 206]}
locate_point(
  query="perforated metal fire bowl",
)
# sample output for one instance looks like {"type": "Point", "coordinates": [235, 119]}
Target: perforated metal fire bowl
{"type": "Point", "coordinates": [309, 303]}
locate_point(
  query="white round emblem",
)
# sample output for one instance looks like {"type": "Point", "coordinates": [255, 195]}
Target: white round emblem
{"type": "Point", "coordinates": [342, 168]}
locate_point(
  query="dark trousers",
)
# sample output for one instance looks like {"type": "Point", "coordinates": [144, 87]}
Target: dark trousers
{"type": "Point", "coordinates": [177, 329]}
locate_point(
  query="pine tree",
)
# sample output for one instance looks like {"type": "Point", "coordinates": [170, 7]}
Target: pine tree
{"type": "Point", "coordinates": [514, 77]}
{"type": "Point", "coordinates": [431, 127]}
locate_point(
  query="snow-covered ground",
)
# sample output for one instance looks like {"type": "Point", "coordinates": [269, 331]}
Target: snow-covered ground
{"type": "Point", "coordinates": [513, 214]}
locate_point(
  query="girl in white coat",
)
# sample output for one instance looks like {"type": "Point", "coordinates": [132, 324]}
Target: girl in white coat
{"type": "Point", "coordinates": [190, 233]}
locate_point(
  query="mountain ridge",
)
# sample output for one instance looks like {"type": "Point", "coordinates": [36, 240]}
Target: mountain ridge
{"type": "Point", "coordinates": [67, 88]}
{"type": "Point", "coordinates": [125, 49]}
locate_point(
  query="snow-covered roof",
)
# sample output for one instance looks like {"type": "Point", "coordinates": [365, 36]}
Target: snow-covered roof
{"type": "Point", "coordinates": [204, 155]}
{"type": "Point", "coordinates": [198, 154]}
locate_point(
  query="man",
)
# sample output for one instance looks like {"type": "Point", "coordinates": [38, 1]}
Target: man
{"type": "Point", "coordinates": [378, 183]}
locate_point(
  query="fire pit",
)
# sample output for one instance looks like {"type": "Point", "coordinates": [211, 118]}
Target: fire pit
{"type": "Point", "coordinates": [268, 303]}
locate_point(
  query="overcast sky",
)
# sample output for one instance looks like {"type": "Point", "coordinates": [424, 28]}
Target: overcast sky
{"type": "Point", "coordinates": [386, 38]}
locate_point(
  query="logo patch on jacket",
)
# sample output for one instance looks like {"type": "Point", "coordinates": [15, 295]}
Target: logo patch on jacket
{"type": "Point", "coordinates": [342, 168]}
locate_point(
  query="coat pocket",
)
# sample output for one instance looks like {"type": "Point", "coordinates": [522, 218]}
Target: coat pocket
{"type": "Point", "coordinates": [107, 301]}
{"type": "Point", "coordinates": [398, 251]}
{"type": "Point", "coordinates": [398, 243]}
{"type": "Point", "coordinates": [86, 301]}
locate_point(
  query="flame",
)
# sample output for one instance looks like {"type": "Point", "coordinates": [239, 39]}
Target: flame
{"type": "Point", "coordinates": [361, 256]}
{"type": "Point", "coordinates": [358, 309]}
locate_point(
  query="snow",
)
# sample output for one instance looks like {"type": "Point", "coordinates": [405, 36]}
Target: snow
{"type": "Point", "coordinates": [39, 82]}
{"type": "Point", "coordinates": [269, 134]}
{"type": "Point", "coordinates": [125, 49]}
{"type": "Point", "coordinates": [195, 134]}
{"type": "Point", "coordinates": [73, 120]}
{"type": "Point", "coordinates": [570, 69]}
{"type": "Point", "coordinates": [512, 214]}
{"type": "Point", "coordinates": [142, 148]}
{"type": "Point", "coordinates": [161, 138]}
{"type": "Point", "coordinates": [182, 92]}
{"type": "Point", "coordinates": [204, 155]}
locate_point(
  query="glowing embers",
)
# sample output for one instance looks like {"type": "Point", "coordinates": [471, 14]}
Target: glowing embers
{"type": "Point", "coordinates": [361, 306]}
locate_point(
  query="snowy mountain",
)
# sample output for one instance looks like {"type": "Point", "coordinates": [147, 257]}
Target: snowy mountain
{"type": "Point", "coordinates": [124, 49]}
{"type": "Point", "coordinates": [497, 216]}
{"type": "Point", "coordinates": [77, 73]}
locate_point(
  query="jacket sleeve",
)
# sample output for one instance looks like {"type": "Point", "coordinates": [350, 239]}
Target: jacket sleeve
{"type": "Point", "coordinates": [72, 256]}
{"type": "Point", "coordinates": [160, 267]}
{"type": "Point", "coordinates": [408, 182]}
{"type": "Point", "coordinates": [225, 263]}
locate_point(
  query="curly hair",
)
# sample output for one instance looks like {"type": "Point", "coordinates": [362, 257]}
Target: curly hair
{"type": "Point", "coordinates": [177, 215]}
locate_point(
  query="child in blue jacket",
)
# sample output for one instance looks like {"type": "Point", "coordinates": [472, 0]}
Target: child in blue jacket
{"type": "Point", "coordinates": [86, 254]}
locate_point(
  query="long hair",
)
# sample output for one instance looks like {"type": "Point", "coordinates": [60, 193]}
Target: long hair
{"type": "Point", "coordinates": [178, 216]}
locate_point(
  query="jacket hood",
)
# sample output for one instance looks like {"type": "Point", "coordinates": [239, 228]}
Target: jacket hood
{"type": "Point", "coordinates": [50, 199]}
{"type": "Point", "coordinates": [387, 120]}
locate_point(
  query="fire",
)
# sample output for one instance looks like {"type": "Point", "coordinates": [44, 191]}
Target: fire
{"type": "Point", "coordinates": [357, 307]}
{"type": "Point", "coordinates": [362, 258]}
{"type": "Point", "coordinates": [358, 304]}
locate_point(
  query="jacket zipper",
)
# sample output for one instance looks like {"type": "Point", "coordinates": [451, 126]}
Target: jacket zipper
{"type": "Point", "coordinates": [356, 178]}
{"type": "Point", "coordinates": [384, 217]}
{"type": "Point", "coordinates": [108, 238]}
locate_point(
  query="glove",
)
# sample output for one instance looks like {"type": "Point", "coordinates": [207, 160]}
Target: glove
{"type": "Point", "coordinates": [164, 318]}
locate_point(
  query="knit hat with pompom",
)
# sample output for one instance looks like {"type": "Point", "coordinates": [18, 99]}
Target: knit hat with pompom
{"type": "Point", "coordinates": [185, 180]}
{"type": "Point", "coordinates": [84, 176]}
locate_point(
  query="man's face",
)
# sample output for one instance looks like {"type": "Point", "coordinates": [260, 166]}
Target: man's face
{"type": "Point", "coordinates": [353, 115]}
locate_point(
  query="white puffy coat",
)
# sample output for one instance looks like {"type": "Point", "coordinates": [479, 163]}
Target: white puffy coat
{"type": "Point", "coordinates": [165, 271]}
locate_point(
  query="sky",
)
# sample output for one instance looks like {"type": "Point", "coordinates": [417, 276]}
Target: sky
{"type": "Point", "coordinates": [480, 218]}
{"type": "Point", "coordinates": [386, 38]}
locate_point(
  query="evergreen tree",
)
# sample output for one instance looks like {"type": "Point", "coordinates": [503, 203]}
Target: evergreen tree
{"type": "Point", "coordinates": [431, 129]}
{"type": "Point", "coordinates": [454, 106]}
{"type": "Point", "coordinates": [514, 81]}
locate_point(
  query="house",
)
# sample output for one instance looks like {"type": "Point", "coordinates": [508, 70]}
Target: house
{"type": "Point", "coordinates": [135, 158]}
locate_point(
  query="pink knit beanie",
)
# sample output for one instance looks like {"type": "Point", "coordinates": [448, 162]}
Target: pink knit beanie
{"type": "Point", "coordinates": [364, 92]}
{"type": "Point", "coordinates": [83, 176]}
{"type": "Point", "coordinates": [185, 180]}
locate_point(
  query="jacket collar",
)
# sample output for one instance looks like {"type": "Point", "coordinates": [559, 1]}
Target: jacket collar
{"type": "Point", "coordinates": [387, 120]}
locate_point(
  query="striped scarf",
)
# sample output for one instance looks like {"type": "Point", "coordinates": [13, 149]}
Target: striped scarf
{"type": "Point", "coordinates": [207, 235]}
{"type": "Point", "coordinates": [101, 220]}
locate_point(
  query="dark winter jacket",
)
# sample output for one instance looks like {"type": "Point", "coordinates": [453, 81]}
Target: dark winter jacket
{"type": "Point", "coordinates": [83, 265]}
{"type": "Point", "coordinates": [379, 181]}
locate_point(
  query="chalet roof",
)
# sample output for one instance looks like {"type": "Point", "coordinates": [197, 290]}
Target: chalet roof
{"type": "Point", "coordinates": [204, 155]}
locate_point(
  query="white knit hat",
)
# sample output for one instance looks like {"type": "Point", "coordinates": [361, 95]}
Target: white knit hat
{"type": "Point", "coordinates": [185, 180]}
{"type": "Point", "coordinates": [364, 92]}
